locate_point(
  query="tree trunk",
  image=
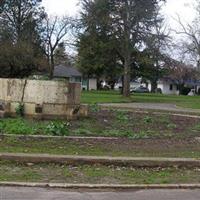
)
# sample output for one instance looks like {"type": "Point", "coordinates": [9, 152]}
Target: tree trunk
{"type": "Point", "coordinates": [112, 85]}
{"type": "Point", "coordinates": [99, 85]}
{"type": "Point", "coordinates": [126, 78]}
{"type": "Point", "coordinates": [154, 86]}
{"type": "Point", "coordinates": [121, 89]}
{"type": "Point", "coordinates": [198, 65]}
{"type": "Point", "coordinates": [51, 67]}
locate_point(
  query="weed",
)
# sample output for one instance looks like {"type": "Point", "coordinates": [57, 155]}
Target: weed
{"type": "Point", "coordinates": [122, 116]}
{"type": "Point", "coordinates": [197, 127]}
{"type": "Point", "coordinates": [94, 107]}
{"type": "Point", "coordinates": [82, 131]}
{"type": "Point", "coordinates": [20, 110]}
{"type": "Point", "coordinates": [57, 128]}
{"type": "Point", "coordinates": [117, 133]}
{"type": "Point", "coordinates": [148, 120]}
{"type": "Point", "coordinates": [171, 126]}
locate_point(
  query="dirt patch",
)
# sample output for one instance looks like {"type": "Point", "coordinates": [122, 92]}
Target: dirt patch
{"type": "Point", "coordinates": [136, 125]}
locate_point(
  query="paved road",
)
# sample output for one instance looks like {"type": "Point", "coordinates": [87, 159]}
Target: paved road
{"type": "Point", "coordinates": [152, 106]}
{"type": "Point", "coordinates": [13, 193]}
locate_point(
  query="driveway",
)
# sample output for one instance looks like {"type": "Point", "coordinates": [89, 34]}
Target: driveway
{"type": "Point", "coordinates": [151, 106]}
{"type": "Point", "coordinates": [14, 193]}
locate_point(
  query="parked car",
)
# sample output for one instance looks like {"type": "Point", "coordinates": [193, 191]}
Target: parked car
{"type": "Point", "coordinates": [140, 89]}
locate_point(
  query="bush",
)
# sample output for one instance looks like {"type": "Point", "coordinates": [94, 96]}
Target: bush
{"type": "Point", "coordinates": [20, 110]}
{"type": "Point", "coordinates": [185, 90]}
{"type": "Point", "coordinates": [16, 126]}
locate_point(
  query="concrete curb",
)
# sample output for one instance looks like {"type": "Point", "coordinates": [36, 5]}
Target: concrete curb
{"type": "Point", "coordinates": [100, 186]}
{"type": "Point", "coordinates": [93, 160]}
{"type": "Point", "coordinates": [59, 137]}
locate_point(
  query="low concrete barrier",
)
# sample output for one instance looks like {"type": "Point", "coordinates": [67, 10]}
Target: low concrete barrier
{"type": "Point", "coordinates": [41, 99]}
{"type": "Point", "coordinates": [102, 187]}
{"type": "Point", "coordinates": [93, 160]}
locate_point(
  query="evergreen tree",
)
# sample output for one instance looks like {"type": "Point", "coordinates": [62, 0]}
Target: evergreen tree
{"type": "Point", "coordinates": [97, 55]}
{"type": "Point", "coordinates": [61, 56]}
{"type": "Point", "coordinates": [114, 31]}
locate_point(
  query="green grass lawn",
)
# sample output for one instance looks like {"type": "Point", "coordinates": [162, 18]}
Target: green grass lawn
{"type": "Point", "coordinates": [116, 97]}
{"type": "Point", "coordinates": [94, 174]}
{"type": "Point", "coordinates": [189, 148]}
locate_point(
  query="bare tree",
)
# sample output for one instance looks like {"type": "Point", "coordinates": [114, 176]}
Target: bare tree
{"type": "Point", "coordinates": [56, 31]}
{"type": "Point", "coordinates": [190, 43]}
{"type": "Point", "coordinates": [22, 19]}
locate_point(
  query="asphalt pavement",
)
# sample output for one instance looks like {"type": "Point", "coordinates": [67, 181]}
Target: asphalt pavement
{"type": "Point", "coordinates": [15, 193]}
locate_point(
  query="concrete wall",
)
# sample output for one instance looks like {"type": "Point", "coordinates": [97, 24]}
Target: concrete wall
{"type": "Point", "coordinates": [53, 99]}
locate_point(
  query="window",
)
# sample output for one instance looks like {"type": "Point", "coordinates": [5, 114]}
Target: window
{"type": "Point", "coordinates": [171, 87]}
{"type": "Point", "coordinates": [75, 79]}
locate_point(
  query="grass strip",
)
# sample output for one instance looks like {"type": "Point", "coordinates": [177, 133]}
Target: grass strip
{"type": "Point", "coordinates": [188, 148]}
{"type": "Point", "coordinates": [54, 173]}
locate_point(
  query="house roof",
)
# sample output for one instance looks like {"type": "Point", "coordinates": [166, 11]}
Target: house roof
{"type": "Point", "coordinates": [66, 71]}
{"type": "Point", "coordinates": [170, 80]}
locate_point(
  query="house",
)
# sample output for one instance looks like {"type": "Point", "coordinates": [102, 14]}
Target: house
{"type": "Point", "coordinates": [69, 73]}
{"type": "Point", "coordinates": [170, 86]}
{"type": "Point", "coordinates": [89, 84]}
{"type": "Point", "coordinates": [167, 86]}
{"type": "Point", "coordinates": [74, 76]}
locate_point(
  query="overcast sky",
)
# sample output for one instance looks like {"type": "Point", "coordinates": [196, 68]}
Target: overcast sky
{"type": "Point", "coordinates": [185, 8]}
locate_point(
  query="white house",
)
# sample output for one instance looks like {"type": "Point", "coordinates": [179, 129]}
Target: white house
{"type": "Point", "coordinates": [167, 86]}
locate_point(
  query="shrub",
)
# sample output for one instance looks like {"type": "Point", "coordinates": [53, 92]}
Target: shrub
{"type": "Point", "coordinates": [184, 90]}
{"type": "Point", "coordinates": [16, 126]}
